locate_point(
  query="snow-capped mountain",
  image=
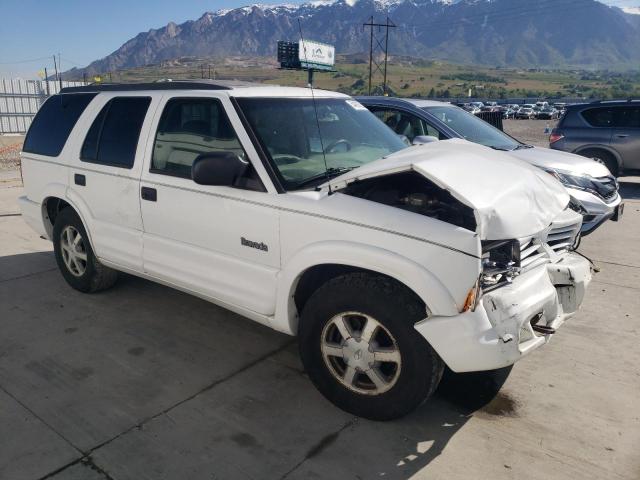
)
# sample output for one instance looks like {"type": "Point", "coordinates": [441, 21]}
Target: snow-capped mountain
{"type": "Point", "coordinates": [492, 32]}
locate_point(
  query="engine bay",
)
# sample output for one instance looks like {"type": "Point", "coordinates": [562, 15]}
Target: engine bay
{"type": "Point", "coordinates": [413, 192]}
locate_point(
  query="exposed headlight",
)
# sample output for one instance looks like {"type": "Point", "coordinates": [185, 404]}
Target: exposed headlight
{"type": "Point", "coordinates": [581, 182]}
{"type": "Point", "coordinates": [500, 262]}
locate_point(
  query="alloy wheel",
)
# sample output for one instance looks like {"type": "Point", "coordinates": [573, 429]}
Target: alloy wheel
{"type": "Point", "coordinates": [361, 353]}
{"type": "Point", "coordinates": [74, 253]}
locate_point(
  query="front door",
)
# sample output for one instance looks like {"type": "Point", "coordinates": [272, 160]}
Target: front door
{"type": "Point", "coordinates": [221, 242]}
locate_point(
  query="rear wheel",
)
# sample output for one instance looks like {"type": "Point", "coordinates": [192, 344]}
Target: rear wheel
{"type": "Point", "coordinates": [75, 258]}
{"type": "Point", "coordinates": [358, 345]}
{"type": "Point", "coordinates": [603, 157]}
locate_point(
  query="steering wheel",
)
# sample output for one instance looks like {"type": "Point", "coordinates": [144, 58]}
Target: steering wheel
{"type": "Point", "coordinates": [337, 143]}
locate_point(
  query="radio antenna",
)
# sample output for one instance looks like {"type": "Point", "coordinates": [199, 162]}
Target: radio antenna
{"type": "Point", "coordinates": [315, 107]}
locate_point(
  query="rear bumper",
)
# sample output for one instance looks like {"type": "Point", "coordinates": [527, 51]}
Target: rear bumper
{"type": "Point", "coordinates": [498, 333]}
{"type": "Point", "coordinates": [32, 215]}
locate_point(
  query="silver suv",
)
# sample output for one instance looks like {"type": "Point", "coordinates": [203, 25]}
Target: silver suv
{"type": "Point", "coordinates": [608, 132]}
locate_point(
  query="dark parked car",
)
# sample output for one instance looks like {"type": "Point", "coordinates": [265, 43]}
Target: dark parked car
{"type": "Point", "coordinates": [547, 113]}
{"type": "Point", "coordinates": [608, 132]}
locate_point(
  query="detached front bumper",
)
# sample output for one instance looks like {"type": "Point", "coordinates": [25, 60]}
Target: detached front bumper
{"type": "Point", "coordinates": [32, 215]}
{"type": "Point", "coordinates": [499, 333]}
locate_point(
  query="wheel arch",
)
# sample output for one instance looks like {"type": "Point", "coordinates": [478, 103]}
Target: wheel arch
{"type": "Point", "coordinates": [54, 201]}
{"type": "Point", "coordinates": [318, 263]}
{"type": "Point", "coordinates": [605, 148]}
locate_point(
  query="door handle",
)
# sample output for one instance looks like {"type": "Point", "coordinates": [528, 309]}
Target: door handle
{"type": "Point", "coordinates": [80, 179]}
{"type": "Point", "coordinates": [622, 135]}
{"type": "Point", "coordinates": [149, 194]}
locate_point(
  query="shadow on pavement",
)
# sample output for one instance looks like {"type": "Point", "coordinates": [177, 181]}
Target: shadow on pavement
{"type": "Point", "coordinates": [402, 448]}
{"type": "Point", "coordinates": [629, 190]}
{"type": "Point", "coordinates": [153, 375]}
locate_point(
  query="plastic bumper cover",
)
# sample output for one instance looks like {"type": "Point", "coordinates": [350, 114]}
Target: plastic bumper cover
{"type": "Point", "coordinates": [32, 215]}
{"type": "Point", "coordinates": [499, 333]}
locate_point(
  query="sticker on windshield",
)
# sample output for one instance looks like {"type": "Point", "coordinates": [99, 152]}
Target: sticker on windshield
{"type": "Point", "coordinates": [356, 105]}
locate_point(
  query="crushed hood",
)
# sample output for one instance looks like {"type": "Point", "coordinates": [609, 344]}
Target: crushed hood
{"type": "Point", "coordinates": [558, 160]}
{"type": "Point", "coordinates": [510, 198]}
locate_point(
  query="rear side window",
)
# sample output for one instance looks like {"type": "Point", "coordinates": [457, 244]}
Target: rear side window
{"type": "Point", "coordinates": [53, 123]}
{"type": "Point", "coordinates": [598, 117]}
{"type": "Point", "coordinates": [626, 117]}
{"type": "Point", "coordinates": [113, 136]}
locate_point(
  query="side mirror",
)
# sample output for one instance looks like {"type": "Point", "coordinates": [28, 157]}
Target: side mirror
{"type": "Point", "coordinates": [422, 139]}
{"type": "Point", "coordinates": [218, 168]}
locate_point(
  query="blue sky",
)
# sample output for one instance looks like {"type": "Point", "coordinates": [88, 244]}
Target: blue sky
{"type": "Point", "coordinates": [82, 31]}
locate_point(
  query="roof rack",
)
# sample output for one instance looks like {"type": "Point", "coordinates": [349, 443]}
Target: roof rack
{"type": "Point", "coordinates": [628, 100]}
{"type": "Point", "coordinates": [160, 85]}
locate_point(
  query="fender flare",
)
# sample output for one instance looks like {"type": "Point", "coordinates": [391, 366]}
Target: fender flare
{"type": "Point", "coordinates": [421, 281]}
{"type": "Point", "coordinates": [62, 192]}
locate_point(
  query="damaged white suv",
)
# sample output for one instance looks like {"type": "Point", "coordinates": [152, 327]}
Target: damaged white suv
{"type": "Point", "coordinates": [307, 214]}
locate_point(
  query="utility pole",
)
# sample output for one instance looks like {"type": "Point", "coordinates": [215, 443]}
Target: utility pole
{"type": "Point", "coordinates": [385, 49]}
{"type": "Point", "coordinates": [55, 66]}
{"type": "Point", "coordinates": [60, 65]}
{"type": "Point", "coordinates": [46, 79]}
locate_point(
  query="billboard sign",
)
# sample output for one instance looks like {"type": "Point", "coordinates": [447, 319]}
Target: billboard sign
{"type": "Point", "coordinates": [316, 55]}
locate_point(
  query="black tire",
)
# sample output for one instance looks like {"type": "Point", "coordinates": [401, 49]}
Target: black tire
{"type": "Point", "coordinates": [95, 277]}
{"type": "Point", "coordinates": [394, 308]}
{"type": "Point", "coordinates": [472, 391]}
{"type": "Point", "coordinates": [603, 157]}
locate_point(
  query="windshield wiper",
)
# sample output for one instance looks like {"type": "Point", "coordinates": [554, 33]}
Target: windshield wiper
{"type": "Point", "coordinates": [326, 175]}
{"type": "Point", "coordinates": [523, 146]}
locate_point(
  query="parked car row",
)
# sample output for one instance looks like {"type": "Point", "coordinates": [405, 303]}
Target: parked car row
{"type": "Point", "coordinates": [540, 110]}
{"type": "Point", "coordinates": [301, 210]}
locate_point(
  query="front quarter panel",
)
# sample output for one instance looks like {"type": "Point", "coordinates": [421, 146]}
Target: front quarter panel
{"type": "Point", "coordinates": [438, 261]}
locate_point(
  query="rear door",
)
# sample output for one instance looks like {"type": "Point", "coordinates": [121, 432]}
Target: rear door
{"type": "Point", "coordinates": [218, 241]}
{"type": "Point", "coordinates": [104, 175]}
{"type": "Point", "coordinates": [594, 129]}
{"type": "Point", "coordinates": [625, 136]}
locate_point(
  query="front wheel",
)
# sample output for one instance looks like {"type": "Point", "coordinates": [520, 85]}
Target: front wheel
{"type": "Point", "coordinates": [360, 349]}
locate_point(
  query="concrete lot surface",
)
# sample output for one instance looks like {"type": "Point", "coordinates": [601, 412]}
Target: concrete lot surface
{"type": "Point", "coordinates": [144, 382]}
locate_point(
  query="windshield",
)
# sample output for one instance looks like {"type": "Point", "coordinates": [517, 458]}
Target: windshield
{"type": "Point", "coordinates": [287, 128]}
{"type": "Point", "coordinates": [473, 128]}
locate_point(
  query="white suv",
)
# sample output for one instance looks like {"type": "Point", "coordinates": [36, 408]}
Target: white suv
{"type": "Point", "coordinates": [307, 214]}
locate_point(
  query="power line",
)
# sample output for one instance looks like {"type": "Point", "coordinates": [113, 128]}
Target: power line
{"type": "Point", "coordinates": [25, 61]}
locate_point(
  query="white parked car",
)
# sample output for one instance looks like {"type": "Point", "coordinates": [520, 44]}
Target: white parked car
{"type": "Point", "coordinates": [311, 217]}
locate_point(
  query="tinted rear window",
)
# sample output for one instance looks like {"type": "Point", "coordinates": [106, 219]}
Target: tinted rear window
{"type": "Point", "coordinates": [113, 136]}
{"type": "Point", "coordinates": [626, 117]}
{"type": "Point", "coordinates": [53, 123]}
{"type": "Point", "coordinates": [598, 117]}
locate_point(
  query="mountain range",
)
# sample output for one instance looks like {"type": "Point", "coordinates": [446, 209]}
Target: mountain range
{"type": "Point", "coordinates": [519, 33]}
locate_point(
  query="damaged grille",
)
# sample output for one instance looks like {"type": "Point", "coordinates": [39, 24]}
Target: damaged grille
{"type": "Point", "coordinates": [503, 260]}
{"type": "Point", "coordinates": [559, 238]}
